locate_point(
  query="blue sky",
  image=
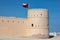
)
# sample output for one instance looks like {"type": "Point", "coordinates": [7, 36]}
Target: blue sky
{"type": "Point", "coordinates": [14, 8]}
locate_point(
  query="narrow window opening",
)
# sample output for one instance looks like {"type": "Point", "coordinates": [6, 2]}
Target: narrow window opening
{"type": "Point", "coordinates": [8, 21]}
{"type": "Point", "coordinates": [34, 15]}
{"type": "Point", "coordinates": [23, 21]}
{"type": "Point", "coordinates": [37, 15]}
{"type": "Point", "coordinates": [38, 25]}
{"type": "Point", "coordinates": [2, 20]}
{"type": "Point", "coordinates": [32, 25]}
{"type": "Point", "coordinates": [13, 21]}
{"type": "Point", "coordinates": [18, 21]}
{"type": "Point", "coordinates": [41, 14]}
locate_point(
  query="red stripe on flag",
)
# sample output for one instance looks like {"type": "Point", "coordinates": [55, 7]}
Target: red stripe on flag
{"type": "Point", "coordinates": [25, 5]}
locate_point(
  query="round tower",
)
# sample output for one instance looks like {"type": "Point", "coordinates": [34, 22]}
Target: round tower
{"type": "Point", "coordinates": [37, 24]}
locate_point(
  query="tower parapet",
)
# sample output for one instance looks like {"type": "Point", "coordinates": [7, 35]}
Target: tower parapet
{"type": "Point", "coordinates": [37, 13]}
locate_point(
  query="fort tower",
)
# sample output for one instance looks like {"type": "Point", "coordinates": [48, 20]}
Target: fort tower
{"type": "Point", "coordinates": [37, 24]}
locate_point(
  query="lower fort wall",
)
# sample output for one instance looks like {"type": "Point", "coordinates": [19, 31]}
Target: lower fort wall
{"type": "Point", "coordinates": [12, 27]}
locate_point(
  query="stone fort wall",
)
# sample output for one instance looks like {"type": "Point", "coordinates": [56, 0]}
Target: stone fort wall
{"type": "Point", "coordinates": [36, 25]}
{"type": "Point", "coordinates": [12, 26]}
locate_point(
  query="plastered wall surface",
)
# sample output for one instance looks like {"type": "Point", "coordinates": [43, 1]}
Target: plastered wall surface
{"type": "Point", "coordinates": [36, 25]}
{"type": "Point", "coordinates": [12, 26]}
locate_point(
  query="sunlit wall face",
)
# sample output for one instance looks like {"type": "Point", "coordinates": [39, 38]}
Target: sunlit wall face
{"type": "Point", "coordinates": [37, 23]}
